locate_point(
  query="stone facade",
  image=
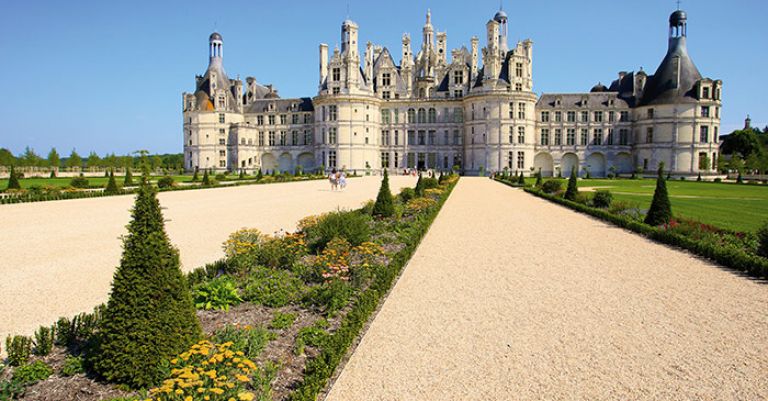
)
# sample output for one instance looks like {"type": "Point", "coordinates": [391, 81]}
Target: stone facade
{"type": "Point", "coordinates": [436, 112]}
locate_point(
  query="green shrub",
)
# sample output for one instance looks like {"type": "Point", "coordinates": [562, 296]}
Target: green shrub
{"type": "Point", "coordinates": [352, 226]}
{"type": "Point", "coordinates": [166, 182]}
{"type": "Point", "coordinates": [429, 183]}
{"type": "Point", "coordinates": [762, 239]}
{"type": "Point", "coordinates": [419, 188]}
{"type": "Point", "coordinates": [331, 296]}
{"type": "Point", "coordinates": [661, 210]}
{"type": "Point", "coordinates": [281, 321]}
{"type": "Point", "coordinates": [206, 179]}
{"type": "Point", "coordinates": [79, 182]}
{"type": "Point", "coordinates": [13, 180]}
{"type": "Point", "coordinates": [581, 198]}
{"type": "Point", "coordinates": [572, 190]}
{"type": "Point", "coordinates": [65, 335]}
{"type": "Point", "coordinates": [32, 373]}
{"type": "Point", "coordinates": [73, 365]}
{"type": "Point", "coordinates": [128, 180]}
{"type": "Point", "coordinates": [44, 337]}
{"type": "Point", "coordinates": [602, 199]}
{"type": "Point", "coordinates": [221, 177]}
{"type": "Point", "coordinates": [217, 294]}
{"type": "Point", "coordinates": [538, 179]}
{"type": "Point", "coordinates": [112, 184]}
{"type": "Point", "coordinates": [718, 179]}
{"type": "Point", "coordinates": [552, 186]}
{"type": "Point", "coordinates": [273, 288]}
{"type": "Point", "coordinates": [407, 194]}
{"type": "Point", "coordinates": [385, 204]}
{"type": "Point", "coordinates": [248, 340]}
{"type": "Point", "coordinates": [18, 349]}
{"type": "Point", "coordinates": [150, 316]}
{"type": "Point", "coordinates": [10, 390]}
{"type": "Point", "coordinates": [314, 336]}
{"type": "Point", "coordinates": [521, 179]}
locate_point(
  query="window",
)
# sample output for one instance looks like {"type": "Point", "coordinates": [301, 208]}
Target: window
{"type": "Point", "coordinates": [545, 116]}
{"type": "Point", "coordinates": [411, 137]}
{"type": "Point", "coordinates": [649, 135]}
{"type": "Point", "coordinates": [705, 92]}
{"type": "Point", "coordinates": [571, 116]}
{"type": "Point", "coordinates": [521, 111]}
{"type": "Point", "coordinates": [456, 137]}
{"type": "Point", "coordinates": [432, 116]}
{"type": "Point", "coordinates": [558, 116]}
{"type": "Point", "coordinates": [282, 138]}
{"type": "Point", "coordinates": [645, 164]}
{"type": "Point", "coordinates": [703, 161]}
{"type": "Point", "coordinates": [519, 70]}
{"type": "Point", "coordinates": [271, 138]}
{"type": "Point", "coordinates": [422, 116]}
{"type": "Point", "coordinates": [385, 95]}
{"type": "Point", "coordinates": [545, 137]}
{"type": "Point", "coordinates": [558, 137]}
{"type": "Point", "coordinates": [332, 136]}
{"type": "Point", "coordinates": [221, 118]}
{"type": "Point", "coordinates": [518, 87]}
{"type": "Point", "coordinates": [445, 137]}
{"type": "Point", "coordinates": [511, 134]}
{"type": "Point", "coordinates": [385, 117]}
{"type": "Point", "coordinates": [571, 136]}
{"type": "Point", "coordinates": [332, 159]}
{"type": "Point", "coordinates": [336, 90]}
{"type": "Point", "coordinates": [623, 137]}
{"type": "Point", "coordinates": [584, 116]}
{"type": "Point", "coordinates": [336, 74]}
{"type": "Point", "coordinates": [333, 113]}
{"type": "Point", "coordinates": [397, 163]}
{"type": "Point", "coordinates": [715, 137]}
{"type": "Point", "coordinates": [295, 119]}
{"type": "Point", "coordinates": [307, 137]}
{"type": "Point", "coordinates": [259, 120]}
{"type": "Point", "coordinates": [397, 116]}
{"type": "Point", "coordinates": [597, 137]}
{"type": "Point", "coordinates": [624, 116]}
{"type": "Point", "coordinates": [521, 135]}
{"type": "Point", "coordinates": [295, 138]}
{"type": "Point", "coordinates": [650, 113]}
{"type": "Point", "coordinates": [705, 111]}
{"type": "Point", "coordinates": [458, 115]}
{"type": "Point", "coordinates": [422, 137]}
{"type": "Point", "coordinates": [511, 111]}
{"type": "Point", "coordinates": [704, 134]}
{"type": "Point", "coordinates": [520, 160]}
{"type": "Point", "coordinates": [431, 137]}
{"type": "Point", "coordinates": [283, 119]}
{"type": "Point", "coordinates": [458, 77]}
{"type": "Point", "coordinates": [384, 159]}
{"type": "Point", "coordinates": [271, 120]}
{"type": "Point", "coordinates": [397, 138]}
{"type": "Point", "coordinates": [510, 159]}
{"type": "Point", "coordinates": [611, 116]}
{"type": "Point", "coordinates": [307, 118]}
{"type": "Point", "coordinates": [385, 138]}
{"type": "Point", "coordinates": [222, 153]}
{"type": "Point", "coordinates": [411, 115]}
{"type": "Point", "coordinates": [222, 141]}
{"type": "Point", "coordinates": [261, 138]}
{"type": "Point", "coordinates": [609, 138]}
{"type": "Point", "coordinates": [221, 131]}
{"type": "Point", "coordinates": [386, 79]}
{"type": "Point", "coordinates": [222, 163]}
{"type": "Point", "coordinates": [598, 116]}
{"type": "Point", "coordinates": [458, 93]}
{"type": "Point", "coordinates": [584, 137]}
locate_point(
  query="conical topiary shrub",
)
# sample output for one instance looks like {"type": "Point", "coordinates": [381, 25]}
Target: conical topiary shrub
{"type": "Point", "coordinates": [538, 179]}
{"type": "Point", "coordinates": [419, 189]}
{"type": "Point", "coordinates": [573, 189]}
{"type": "Point", "coordinates": [195, 177]}
{"type": "Point", "coordinates": [13, 180]}
{"type": "Point", "coordinates": [128, 177]}
{"type": "Point", "coordinates": [661, 210]}
{"type": "Point", "coordinates": [206, 179]}
{"type": "Point", "coordinates": [521, 179]}
{"type": "Point", "coordinates": [385, 204]}
{"type": "Point", "coordinates": [150, 317]}
{"type": "Point", "coordinates": [111, 185]}
{"type": "Point", "coordinates": [259, 175]}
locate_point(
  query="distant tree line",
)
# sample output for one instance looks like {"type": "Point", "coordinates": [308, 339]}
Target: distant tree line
{"type": "Point", "coordinates": [745, 150]}
{"type": "Point", "coordinates": [29, 158]}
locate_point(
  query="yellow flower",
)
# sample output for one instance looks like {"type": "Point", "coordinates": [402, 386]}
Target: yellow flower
{"type": "Point", "coordinates": [217, 391]}
{"type": "Point", "coordinates": [188, 398]}
{"type": "Point", "coordinates": [245, 396]}
{"type": "Point", "coordinates": [179, 392]}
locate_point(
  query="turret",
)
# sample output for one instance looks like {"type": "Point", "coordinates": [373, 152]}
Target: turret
{"type": "Point", "coordinates": [369, 62]}
{"type": "Point", "coordinates": [215, 50]}
{"type": "Point", "coordinates": [323, 63]}
{"type": "Point", "coordinates": [473, 65]}
{"type": "Point", "coordinates": [349, 39]}
{"type": "Point", "coordinates": [427, 33]}
{"type": "Point", "coordinates": [442, 47]}
{"type": "Point", "coordinates": [501, 18]}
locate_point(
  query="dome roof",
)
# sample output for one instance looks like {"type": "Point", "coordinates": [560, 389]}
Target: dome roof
{"type": "Point", "coordinates": [215, 36]}
{"type": "Point", "coordinates": [677, 17]}
{"type": "Point", "coordinates": [501, 15]}
{"type": "Point", "coordinates": [599, 88]}
{"type": "Point", "coordinates": [348, 22]}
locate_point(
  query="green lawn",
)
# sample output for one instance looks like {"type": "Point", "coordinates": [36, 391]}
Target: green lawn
{"type": "Point", "coordinates": [733, 206]}
{"type": "Point", "coordinates": [92, 181]}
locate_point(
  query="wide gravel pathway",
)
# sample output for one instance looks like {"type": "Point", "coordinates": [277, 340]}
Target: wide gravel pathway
{"type": "Point", "coordinates": [510, 297]}
{"type": "Point", "coordinates": [57, 258]}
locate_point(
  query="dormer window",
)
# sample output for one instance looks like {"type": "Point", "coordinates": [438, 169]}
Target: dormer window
{"type": "Point", "coordinates": [336, 74]}
{"type": "Point", "coordinates": [222, 102]}
{"type": "Point", "coordinates": [705, 92]}
{"type": "Point", "coordinates": [458, 77]}
{"type": "Point", "coordinates": [386, 79]}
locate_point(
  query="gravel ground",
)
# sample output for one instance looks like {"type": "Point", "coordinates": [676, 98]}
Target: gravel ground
{"type": "Point", "coordinates": [510, 297]}
{"type": "Point", "coordinates": [58, 257]}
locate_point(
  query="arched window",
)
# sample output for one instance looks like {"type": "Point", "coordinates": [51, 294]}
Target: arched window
{"type": "Point", "coordinates": [422, 116]}
{"type": "Point", "coordinates": [411, 115]}
{"type": "Point", "coordinates": [432, 117]}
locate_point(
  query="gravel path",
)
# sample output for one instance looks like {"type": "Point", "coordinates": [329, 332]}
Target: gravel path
{"type": "Point", "coordinates": [510, 297]}
{"type": "Point", "coordinates": [58, 257]}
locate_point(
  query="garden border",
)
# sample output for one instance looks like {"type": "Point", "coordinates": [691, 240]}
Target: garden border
{"type": "Point", "coordinates": [752, 265]}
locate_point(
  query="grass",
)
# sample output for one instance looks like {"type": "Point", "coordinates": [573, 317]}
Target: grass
{"type": "Point", "coordinates": [92, 181]}
{"type": "Point", "coordinates": [726, 205]}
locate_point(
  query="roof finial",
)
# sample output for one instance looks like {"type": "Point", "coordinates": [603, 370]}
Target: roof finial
{"type": "Point", "coordinates": [429, 17]}
{"type": "Point", "coordinates": [347, 10]}
{"type": "Point", "coordinates": [501, 6]}
{"type": "Point", "coordinates": [678, 5]}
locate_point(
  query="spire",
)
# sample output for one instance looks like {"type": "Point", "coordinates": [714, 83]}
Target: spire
{"type": "Point", "coordinates": [429, 17]}
{"type": "Point", "coordinates": [215, 49]}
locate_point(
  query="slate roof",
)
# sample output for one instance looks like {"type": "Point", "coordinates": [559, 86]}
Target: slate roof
{"type": "Point", "coordinates": [664, 86]}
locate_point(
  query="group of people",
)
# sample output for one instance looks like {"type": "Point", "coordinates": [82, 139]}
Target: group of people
{"type": "Point", "coordinates": [338, 180]}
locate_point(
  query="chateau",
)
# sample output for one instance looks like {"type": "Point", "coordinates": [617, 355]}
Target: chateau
{"type": "Point", "coordinates": [474, 109]}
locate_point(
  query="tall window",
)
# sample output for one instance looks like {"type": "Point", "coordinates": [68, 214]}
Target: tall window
{"type": "Point", "coordinates": [609, 139]}
{"type": "Point", "coordinates": [283, 119]}
{"type": "Point", "coordinates": [705, 111]}
{"type": "Point", "coordinates": [385, 119]}
{"type": "Point", "coordinates": [271, 120]}
{"type": "Point", "coordinates": [624, 116]}
{"type": "Point", "coordinates": [650, 113]}
{"type": "Point", "coordinates": [331, 159]}
{"type": "Point", "coordinates": [307, 137]}
{"type": "Point", "coordinates": [458, 115]}
{"type": "Point", "coordinates": [337, 74]}
{"type": "Point", "coordinates": [221, 118]}
{"type": "Point", "coordinates": [705, 93]}
{"type": "Point", "coordinates": [458, 77]}
{"type": "Point", "coordinates": [422, 116]}
{"type": "Point", "coordinates": [571, 136]}
{"type": "Point", "coordinates": [397, 138]}
{"type": "Point", "coordinates": [649, 135]}
{"type": "Point", "coordinates": [519, 70]}
{"type": "Point", "coordinates": [571, 116]}
{"type": "Point", "coordinates": [704, 134]}
{"type": "Point", "coordinates": [584, 136]}
{"type": "Point", "coordinates": [558, 116]}
{"type": "Point", "coordinates": [295, 138]}
{"type": "Point", "coordinates": [282, 138]}
{"type": "Point", "coordinates": [294, 119]}
{"type": "Point", "coordinates": [558, 137]}
{"type": "Point", "coordinates": [511, 134]}
{"type": "Point", "coordinates": [397, 116]}
{"type": "Point", "coordinates": [385, 137]}
{"type": "Point", "coordinates": [411, 115]}
{"type": "Point", "coordinates": [422, 138]}
{"type": "Point", "coordinates": [431, 138]}
{"type": "Point", "coordinates": [598, 116]}
{"type": "Point", "coordinates": [545, 116]}
{"type": "Point", "coordinates": [411, 137]}
{"type": "Point", "coordinates": [271, 138]}
{"type": "Point", "coordinates": [521, 111]}
{"type": "Point", "coordinates": [332, 136]}
{"type": "Point", "coordinates": [520, 135]}
{"type": "Point", "coordinates": [511, 111]}
{"type": "Point", "coordinates": [520, 160]}
{"type": "Point", "coordinates": [259, 120]}
{"type": "Point", "coordinates": [584, 116]}
{"type": "Point", "coordinates": [333, 113]}
{"type": "Point", "coordinates": [510, 159]}
{"type": "Point", "coordinates": [386, 79]}
{"type": "Point", "coordinates": [432, 116]}
{"type": "Point", "coordinates": [384, 159]}
{"type": "Point", "coordinates": [611, 116]}
{"type": "Point", "coordinates": [261, 138]}
{"type": "Point", "coordinates": [597, 136]}
{"type": "Point", "coordinates": [623, 137]}
{"type": "Point", "coordinates": [545, 137]}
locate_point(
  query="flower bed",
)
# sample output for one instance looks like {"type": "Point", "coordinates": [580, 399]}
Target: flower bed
{"type": "Point", "coordinates": [279, 313]}
{"type": "Point", "coordinates": [731, 249]}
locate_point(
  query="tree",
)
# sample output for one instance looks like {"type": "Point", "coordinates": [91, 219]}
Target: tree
{"type": "Point", "coordinates": [419, 189]}
{"type": "Point", "coordinates": [6, 157]}
{"type": "Point", "coordinates": [157, 161]}
{"type": "Point", "coordinates": [752, 162]}
{"type": "Point", "coordinates": [704, 163]}
{"type": "Point", "coordinates": [13, 180]}
{"type": "Point", "coordinates": [150, 317]}
{"type": "Point", "coordinates": [538, 179]}
{"type": "Point", "coordinates": [195, 177]}
{"type": "Point", "coordinates": [54, 160]}
{"type": "Point", "coordinates": [74, 161]}
{"type": "Point", "coordinates": [385, 204]}
{"type": "Point", "coordinates": [111, 185]}
{"type": "Point", "coordinates": [206, 179]}
{"type": "Point", "coordinates": [573, 189]}
{"type": "Point", "coordinates": [521, 179]}
{"type": "Point", "coordinates": [30, 158]}
{"type": "Point", "coordinates": [736, 163]}
{"type": "Point", "coordinates": [259, 175]}
{"type": "Point", "coordinates": [742, 142]}
{"type": "Point", "coordinates": [93, 160]}
{"type": "Point", "coordinates": [128, 177]}
{"type": "Point", "coordinates": [661, 210]}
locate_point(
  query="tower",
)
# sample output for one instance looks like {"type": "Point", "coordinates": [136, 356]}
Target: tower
{"type": "Point", "coordinates": [215, 50]}
{"type": "Point", "coordinates": [427, 32]}
{"type": "Point", "coordinates": [349, 39]}
{"type": "Point", "coordinates": [501, 18]}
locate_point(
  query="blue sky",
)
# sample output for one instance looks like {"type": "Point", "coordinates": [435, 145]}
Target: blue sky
{"type": "Point", "coordinates": [107, 76]}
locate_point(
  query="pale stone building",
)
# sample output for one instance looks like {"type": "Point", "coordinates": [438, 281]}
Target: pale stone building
{"type": "Point", "coordinates": [474, 109]}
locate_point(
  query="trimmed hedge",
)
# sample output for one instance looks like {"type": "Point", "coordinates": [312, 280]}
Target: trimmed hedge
{"type": "Point", "coordinates": [753, 265]}
{"type": "Point", "coordinates": [320, 369]}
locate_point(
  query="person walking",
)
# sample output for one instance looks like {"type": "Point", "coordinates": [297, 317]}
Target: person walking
{"type": "Point", "coordinates": [332, 180]}
{"type": "Point", "coordinates": [343, 180]}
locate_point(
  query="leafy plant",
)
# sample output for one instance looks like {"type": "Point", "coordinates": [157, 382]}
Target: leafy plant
{"type": "Point", "coordinates": [13, 180]}
{"type": "Point", "coordinates": [385, 204]}
{"type": "Point", "coordinates": [248, 340]}
{"type": "Point", "coordinates": [166, 182]}
{"type": "Point", "coordinates": [330, 296]}
{"type": "Point", "coordinates": [350, 225]}
{"type": "Point", "coordinates": [281, 321]}
{"type": "Point", "coordinates": [602, 199]}
{"type": "Point", "coordinates": [217, 294]}
{"type": "Point", "coordinates": [407, 194]}
{"type": "Point", "coordinates": [73, 365]}
{"type": "Point", "coordinates": [18, 349]}
{"type": "Point", "coordinates": [762, 238]}
{"type": "Point", "coordinates": [273, 288]}
{"type": "Point", "coordinates": [44, 337]}
{"type": "Point", "coordinates": [79, 182]}
{"type": "Point", "coordinates": [314, 336]}
{"type": "Point", "coordinates": [572, 190]}
{"type": "Point", "coordinates": [661, 210]}
{"type": "Point", "coordinates": [32, 373]}
{"type": "Point", "coordinates": [206, 179]}
{"type": "Point", "coordinates": [552, 186]}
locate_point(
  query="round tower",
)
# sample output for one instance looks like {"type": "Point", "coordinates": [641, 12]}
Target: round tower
{"type": "Point", "coordinates": [215, 48]}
